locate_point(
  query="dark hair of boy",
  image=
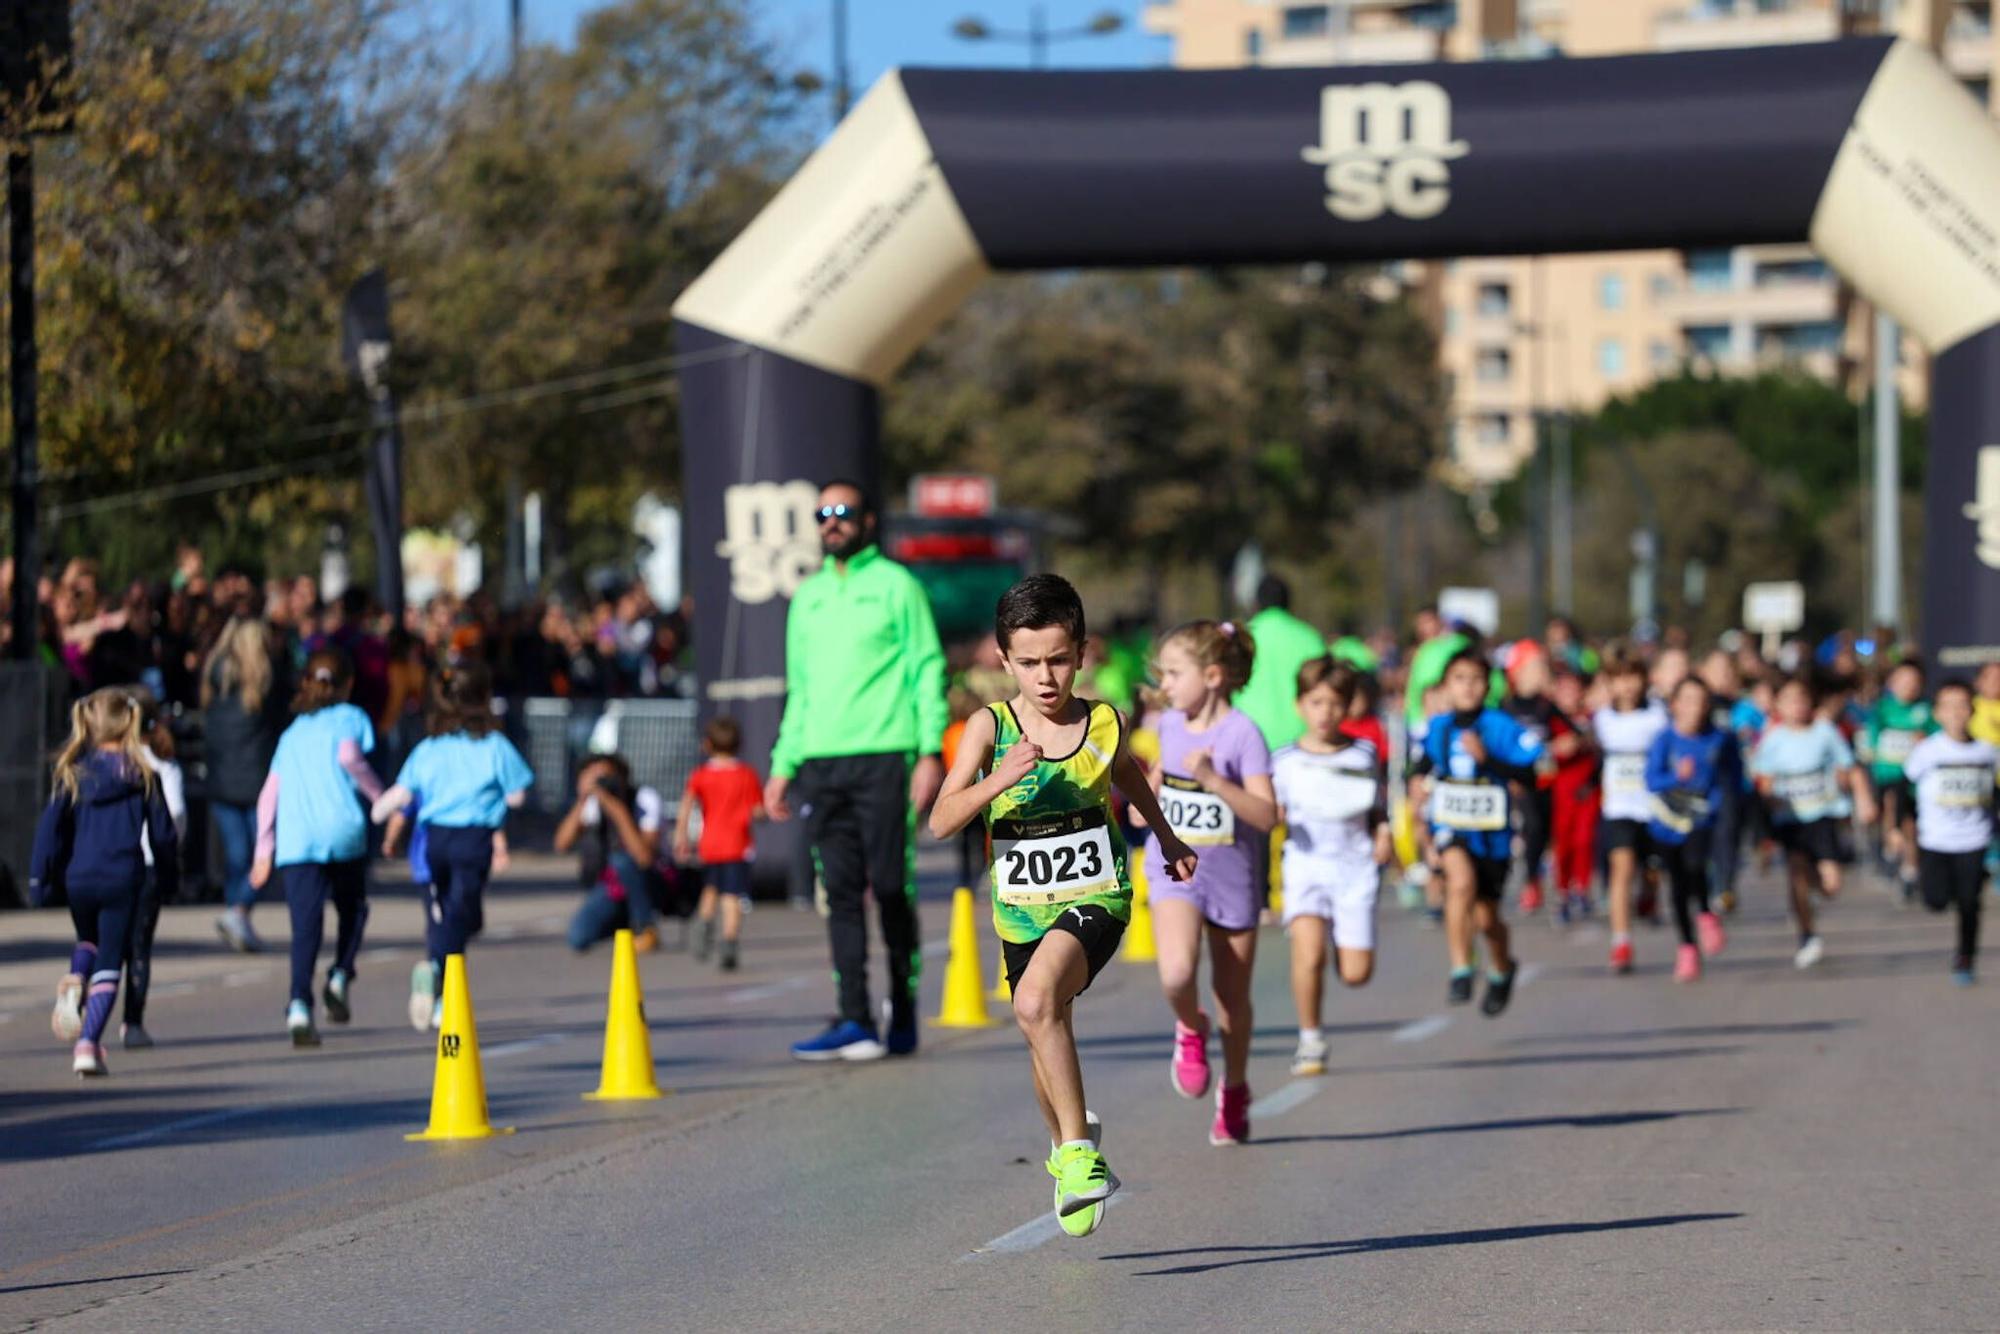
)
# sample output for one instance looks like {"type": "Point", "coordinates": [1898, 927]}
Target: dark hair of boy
{"type": "Point", "coordinates": [325, 680]}
{"type": "Point", "coordinates": [1469, 655]}
{"type": "Point", "coordinates": [463, 702]}
{"type": "Point", "coordinates": [1327, 671]}
{"type": "Point", "coordinates": [723, 735]}
{"type": "Point", "coordinates": [1037, 603]}
{"type": "Point", "coordinates": [1957, 683]}
{"type": "Point", "coordinates": [1804, 681]}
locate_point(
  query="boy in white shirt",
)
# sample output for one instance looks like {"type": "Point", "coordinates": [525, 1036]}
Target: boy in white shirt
{"type": "Point", "coordinates": [1954, 778]}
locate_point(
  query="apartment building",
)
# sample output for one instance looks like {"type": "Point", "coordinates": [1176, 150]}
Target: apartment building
{"type": "Point", "coordinates": [1523, 336]}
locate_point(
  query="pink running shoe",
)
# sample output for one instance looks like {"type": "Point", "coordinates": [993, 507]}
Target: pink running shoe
{"type": "Point", "coordinates": [1708, 930]}
{"type": "Point", "coordinates": [88, 1059]}
{"type": "Point", "coordinates": [1232, 1116]}
{"type": "Point", "coordinates": [1687, 964]}
{"type": "Point", "coordinates": [1190, 1067]}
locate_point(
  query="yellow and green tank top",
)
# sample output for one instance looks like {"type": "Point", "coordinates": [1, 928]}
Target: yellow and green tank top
{"type": "Point", "coordinates": [1053, 842]}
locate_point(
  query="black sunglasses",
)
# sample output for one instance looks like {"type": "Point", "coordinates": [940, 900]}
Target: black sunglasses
{"type": "Point", "coordinates": [826, 512]}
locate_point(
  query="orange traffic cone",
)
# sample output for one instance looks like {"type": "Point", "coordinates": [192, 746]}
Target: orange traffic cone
{"type": "Point", "coordinates": [458, 1091]}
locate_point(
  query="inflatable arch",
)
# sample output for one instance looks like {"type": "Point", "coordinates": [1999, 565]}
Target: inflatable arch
{"type": "Point", "coordinates": [1866, 148]}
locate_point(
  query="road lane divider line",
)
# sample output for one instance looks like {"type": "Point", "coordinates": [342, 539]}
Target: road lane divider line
{"type": "Point", "coordinates": [1031, 1234]}
{"type": "Point", "coordinates": [245, 977]}
{"type": "Point", "coordinates": [1418, 1029]}
{"type": "Point", "coordinates": [1295, 1094]}
{"type": "Point", "coordinates": [504, 1049]}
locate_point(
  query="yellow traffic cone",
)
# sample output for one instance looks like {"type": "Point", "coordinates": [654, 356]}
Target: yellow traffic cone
{"type": "Point", "coordinates": [628, 1047]}
{"type": "Point", "coordinates": [964, 990]}
{"type": "Point", "coordinates": [458, 1092]}
{"type": "Point", "coordinates": [1275, 898]}
{"type": "Point", "coordinates": [1138, 947]}
{"type": "Point", "coordinates": [1001, 991]}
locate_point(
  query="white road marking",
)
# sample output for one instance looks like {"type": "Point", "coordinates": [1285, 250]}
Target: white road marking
{"type": "Point", "coordinates": [1419, 1029]}
{"type": "Point", "coordinates": [246, 977]}
{"type": "Point", "coordinates": [173, 989]}
{"type": "Point", "coordinates": [1529, 972]}
{"type": "Point", "coordinates": [525, 1044]}
{"type": "Point", "coordinates": [937, 949]}
{"type": "Point", "coordinates": [1294, 1094]}
{"type": "Point", "coordinates": [745, 995]}
{"type": "Point", "coordinates": [175, 1127]}
{"type": "Point", "coordinates": [1030, 1235]}
{"type": "Point", "coordinates": [377, 956]}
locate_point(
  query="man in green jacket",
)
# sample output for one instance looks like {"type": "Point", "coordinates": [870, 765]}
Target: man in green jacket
{"type": "Point", "coordinates": [859, 751]}
{"type": "Point", "coordinates": [1284, 644]}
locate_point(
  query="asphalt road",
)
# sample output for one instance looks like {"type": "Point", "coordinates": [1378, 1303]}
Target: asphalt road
{"type": "Point", "coordinates": [1763, 1150]}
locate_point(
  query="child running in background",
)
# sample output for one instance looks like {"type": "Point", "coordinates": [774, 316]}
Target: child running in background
{"type": "Point", "coordinates": [90, 842]}
{"type": "Point", "coordinates": [1625, 731]}
{"type": "Point", "coordinates": [467, 777]}
{"type": "Point", "coordinates": [1899, 720]}
{"type": "Point", "coordinates": [1330, 793]}
{"type": "Point", "coordinates": [1471, 753]}
{"type": "Point", "coordinates": [146, 913]}
{"type": "Point", "coordinates": [1953, 776]}
{"type": "Point", "coordinates": [1573, 795]}
{"type": "Point", "coordinates": [618, 825]}
{"type": "Point", "coordinates": [1429, 887]}
{"type": "Point", "coordinates": [312, 826]}
{"type": "Point", "coordinates": [729, 796]}
{"type": "Point", "coordinates": [1214, 785]}
{"type": "Point", "coordinates": [1690, 770]}
{"type": "Point", "coordinates": [1041, 769]}
{"type": "Point", "coordinates": [1805, 772]}
{"type": "Point", "coordinates": [1528, 703]}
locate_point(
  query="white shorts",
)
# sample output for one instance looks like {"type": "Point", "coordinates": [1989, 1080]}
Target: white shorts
{"type": "Point", "coordinates": [1342, 892]}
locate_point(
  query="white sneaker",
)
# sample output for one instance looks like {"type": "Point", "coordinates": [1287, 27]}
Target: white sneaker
{"type": "Point", "coordinates": [88, 1061]}
{"type": "Point", "coordinates": [1810, 953]}
{"type": "Point", "coordinates": [1310, 1058]}
{"type": "Point", "coordinates": [299, 1023]}
{"type": "Point", "coordinates": [423, 996]}
{"type": "Point", "coordinates": [67, 1020]}
{"type": "Point", "coordinates": [136, 1037]}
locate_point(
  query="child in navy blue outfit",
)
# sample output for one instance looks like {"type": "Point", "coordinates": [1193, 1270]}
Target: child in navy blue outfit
{"type": "Point", "coordinates": [88, 844]}
{"type": "Point", "coordinates": [466, 777]}
{"type": "Point", "coordinates": [1689, 772]}
{"type": "Point", "coordinates": [1470, 755]}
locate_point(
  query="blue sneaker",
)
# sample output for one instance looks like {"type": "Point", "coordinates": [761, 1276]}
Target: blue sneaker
{"type": "Point", "coordinates": [1961, 972]}
{"type": "Point", "coordinates": [844, 1041]}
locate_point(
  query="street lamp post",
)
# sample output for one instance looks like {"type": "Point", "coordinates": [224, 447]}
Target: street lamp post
{"type": "Point", "coordinates": [1038, 36]}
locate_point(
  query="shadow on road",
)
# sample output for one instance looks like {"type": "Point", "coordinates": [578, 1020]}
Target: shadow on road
{"type": "Point", "coordinates": [1595, 1121]}
{"type": "Point", "coordinates": [85, 1282]}
{"type": "Point", "coordinates": [1327, 1250]}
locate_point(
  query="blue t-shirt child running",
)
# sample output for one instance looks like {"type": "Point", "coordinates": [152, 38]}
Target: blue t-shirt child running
{"type": "Point", "coordinates": [463, 782]}
{"type": "Point", "coordinates": [1469, 801]}
{"type": "Point", "coordinates": [320, 817]}
{"type": "Point", "coordinates": [1681, 806]}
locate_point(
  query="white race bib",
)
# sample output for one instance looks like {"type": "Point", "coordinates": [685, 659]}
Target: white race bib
{"type": "Point", "coordinates": [1808, 793]}
{"type": "Point", "coordinates": [1320, 793]}
{"type": "Point", "coordinates": [1197, 816]}
{"type": "Point", "coordinates": [1962, 786]}
{"type": "Point", "coordinates": [1060, 859]}
{"type": "Point", "coordinates": [1625, 774]}
{"type": "Point", "coordinates": [1479, 808]}
{"type": "Point", "coordinates": [1894, 747]}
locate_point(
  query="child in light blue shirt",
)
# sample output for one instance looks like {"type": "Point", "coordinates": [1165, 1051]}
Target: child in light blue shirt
{"type": "Point", "coordinates": [465, 777]}
{"type": "Point", "coordinates": [1805, 772]}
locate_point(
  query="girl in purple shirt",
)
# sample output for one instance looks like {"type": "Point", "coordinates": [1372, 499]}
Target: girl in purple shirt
{"type": "Point", "coordinates": [1214, 785]}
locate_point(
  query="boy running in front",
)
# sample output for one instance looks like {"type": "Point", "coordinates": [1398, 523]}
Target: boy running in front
{"type": "Point", "coordinates": [1061, 891]}
{"type": "Point", "coordinates": [1471, 753]}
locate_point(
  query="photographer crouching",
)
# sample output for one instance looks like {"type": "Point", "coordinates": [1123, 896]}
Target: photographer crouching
{"type": "Point", "coordinates": [618, 829]}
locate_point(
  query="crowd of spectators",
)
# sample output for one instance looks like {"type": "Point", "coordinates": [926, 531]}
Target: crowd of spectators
{"type": "Point", "coordinates": [165, 634]}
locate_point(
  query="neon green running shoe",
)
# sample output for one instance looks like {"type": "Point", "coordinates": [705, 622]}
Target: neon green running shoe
{"type": "Point", "coordinates": [1083, 1186]}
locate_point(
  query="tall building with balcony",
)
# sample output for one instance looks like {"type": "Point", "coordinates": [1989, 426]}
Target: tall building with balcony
{"type": "Point", "coordinates": [1523, 336]}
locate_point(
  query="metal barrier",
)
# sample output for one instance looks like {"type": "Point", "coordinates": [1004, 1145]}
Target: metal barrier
{"type": "Point", "coordinates": [659, 738]}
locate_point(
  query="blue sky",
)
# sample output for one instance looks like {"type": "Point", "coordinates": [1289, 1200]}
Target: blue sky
{"type": "Point", "coordinates": [881, 33]}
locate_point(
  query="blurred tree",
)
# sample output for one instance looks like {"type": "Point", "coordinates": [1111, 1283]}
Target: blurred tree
{"type": "Point", "coordinates": [1169, 417]}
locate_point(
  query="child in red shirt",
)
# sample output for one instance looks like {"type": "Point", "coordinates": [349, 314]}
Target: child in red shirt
{"type": "Point", "coordinates": [729, 795]}
{"type": "Point", "coordinates": [1574, 796]}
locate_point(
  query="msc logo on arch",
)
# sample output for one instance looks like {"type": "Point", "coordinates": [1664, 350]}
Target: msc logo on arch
{"type": "Point", "coordinates": [1385, 148]}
